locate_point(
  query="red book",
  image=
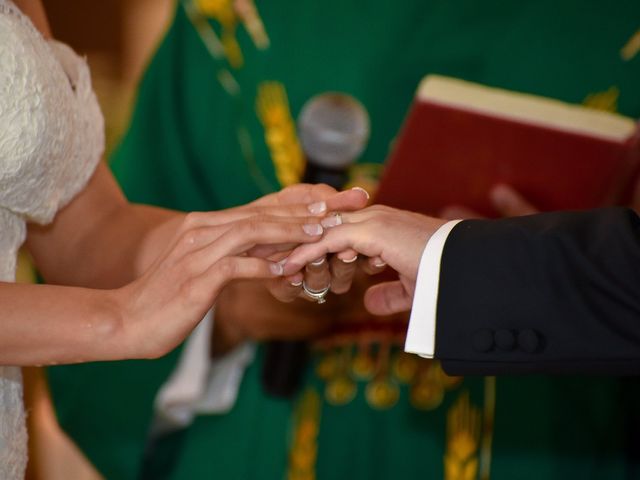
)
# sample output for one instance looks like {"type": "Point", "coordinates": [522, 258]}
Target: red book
{"type": "Point", "coordinates": [460, 139]}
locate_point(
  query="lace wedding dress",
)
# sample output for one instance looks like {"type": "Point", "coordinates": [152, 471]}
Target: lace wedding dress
{"type": "Point", "coordinates": [51, 138]}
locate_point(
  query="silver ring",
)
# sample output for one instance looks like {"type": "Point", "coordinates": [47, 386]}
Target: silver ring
{"type": "Point", "coordinates": [317, 295]}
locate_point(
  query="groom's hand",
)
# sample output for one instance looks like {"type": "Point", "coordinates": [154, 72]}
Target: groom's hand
{"type": "Point", "coordinates": [397, 237]}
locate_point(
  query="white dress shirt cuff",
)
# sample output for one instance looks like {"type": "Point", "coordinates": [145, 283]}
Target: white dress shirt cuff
{"type": "Point", "coordinates": [421, 334]}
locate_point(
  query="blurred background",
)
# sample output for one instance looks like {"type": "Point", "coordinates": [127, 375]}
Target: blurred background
{"type": "Point", "coordinates": [117, 37]}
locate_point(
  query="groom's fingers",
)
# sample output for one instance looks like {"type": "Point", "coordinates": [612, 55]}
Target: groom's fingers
{"type": "Point", "coordinates": [387, 298]}
{"type": "Point", "coordinates": [342, 272]}
{"type": "Point", "coordinates": [317, 276]}
{"type": "Point", "coordinates": [373, 266]}
{"type": "Point", "coordinates": [335, 240]}
{"type": "Point", "coordinates": [286, 289]}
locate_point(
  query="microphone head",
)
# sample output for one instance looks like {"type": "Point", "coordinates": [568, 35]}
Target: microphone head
{"type": "Point", "coordinates": [334, 129]}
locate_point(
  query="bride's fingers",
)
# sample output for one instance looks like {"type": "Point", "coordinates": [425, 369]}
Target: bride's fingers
{"type": "Point", "coordinates": [197, 238]}
{"type": "Point", "coordinates": [267, 251]}
{"type": "Point", "coordinates": [301, 193]}
{"type": "Point", "coordinates": [207, 286]}
{"type": "Point", "coordinates": [387, 298]}
{"type": "Point", "coordinates": [221, 217]}
{"type": "Point", "coordinates": [318, 194]}
{"type": "Point", "coordinates": [246, 234]}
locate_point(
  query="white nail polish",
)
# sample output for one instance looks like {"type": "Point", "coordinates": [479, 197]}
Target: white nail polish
{"type": "Point", "coordinates": [317, 208]}
{"type": "Point", "coordinates": [319, 262]}
{"type": "Point", "coordinates": [296, 284]}
{"type": "Point", "coordinates": [276, 269]}
{"type": "Point", "coordinates": [332, 221]}
{"type": "Point", "coordinates": [350, 260]}
{"type": "Point", "coordinates": [380, 264]}
{"type": "Point", "coordinates": [363, 191]}
{"type": "Point", "coordinates": [313, 229]}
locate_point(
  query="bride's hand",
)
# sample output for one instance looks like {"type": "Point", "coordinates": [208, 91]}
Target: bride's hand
{"type": "Point", "coordinates": [158, 310]}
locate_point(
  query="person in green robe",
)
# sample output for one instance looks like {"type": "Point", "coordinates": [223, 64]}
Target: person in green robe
{"type": "Point", "coordinates": [214, 127]}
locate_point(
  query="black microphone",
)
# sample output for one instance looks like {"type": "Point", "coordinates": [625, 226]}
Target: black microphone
{"type": "Point", "coordinates": [333, 129]}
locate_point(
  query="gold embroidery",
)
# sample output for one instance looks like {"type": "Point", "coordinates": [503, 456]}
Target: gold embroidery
{"type": "Point", "coordinates": [230, 85]}
{"type": "Point", "coordinates": [304, 450]}
{"type": "Point", "coordinates": [468, 441]}
{"type": "Point", "coordinates": [229, 13]}
{"type": "Point", "coordinates": [340, 388]}
{"type": "Point", "coordinates": [607, 100]}
{"type": "Point", "coordinates": [486, 443]}
{"type": "Point", "coordinates": [404, 366]}
{"type": "Point", "coordinates": [383, 392]}
{"type": "Point", "coordinates": [280, 135]}
{"type": "Point", "coordinates": [427, 391]}
{"type": "Point", "coordinates": [363, 365]}
{"type": "Point", "coordinates": [631, 48]}
{"type": "Point", "coordinates": [328, 365]}
{"type": "Point", "coordinates": [248, 13]}
{"type": "Point", "coordinates": [348, 359]}
{"type": "Point", "coordinates": [430, 384]}
{"type": "Point", "coordinates": [463, 434]}
{"type": "Point", "coordinates": [224, 13]}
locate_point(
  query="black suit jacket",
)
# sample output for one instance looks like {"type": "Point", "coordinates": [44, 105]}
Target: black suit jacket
{"type": "Point", "coordinates": [554, 293]}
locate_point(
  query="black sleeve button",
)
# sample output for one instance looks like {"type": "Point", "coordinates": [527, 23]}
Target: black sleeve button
{"type": "Point", "coordinates": [529, 340]}
{"type": "Point", "coordinates": [505, 340]}
{"type": "Point", "coordinates": [482, 340]}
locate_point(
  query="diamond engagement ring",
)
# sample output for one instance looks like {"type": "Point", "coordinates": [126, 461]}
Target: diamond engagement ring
{"type": "Point", "coordinates": [317, 295]}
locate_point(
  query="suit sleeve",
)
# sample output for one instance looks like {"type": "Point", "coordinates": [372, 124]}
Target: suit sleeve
{"type": "Point", "coordinates": [552, 293]}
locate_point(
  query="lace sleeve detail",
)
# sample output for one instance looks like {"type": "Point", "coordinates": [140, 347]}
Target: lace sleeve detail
{"type": "Point", "coordinates": [51, 127]}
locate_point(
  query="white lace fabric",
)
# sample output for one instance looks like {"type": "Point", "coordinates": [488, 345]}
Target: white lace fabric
{"type": "Point", "coordinates": [51, 139]}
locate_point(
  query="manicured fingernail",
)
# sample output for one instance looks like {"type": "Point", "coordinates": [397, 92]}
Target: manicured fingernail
{"type": "Point", "coordinates": [363, 191]}
{"type": "Point", "coordinates": [319, 261]}
{"type": "Point", "coordinates": [379, 263]}
{"type": "Point", "coordinates": [296, 279]}
{"type": "Point", "coordinates": [317, 208]}
{"type": "Point", "coordinates": [277, 268]}
{"type": "Point", "coordinates": [313, 229]}
{"type": "Point", "coordinates": [350, 260]}
{"type": "Point", "coordinates": [332, 221]}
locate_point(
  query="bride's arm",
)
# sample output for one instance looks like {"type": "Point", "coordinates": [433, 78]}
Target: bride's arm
{"type": "Point", "coordinates": [100, 240]}
{"type": "Point", "coordinates": [149, 316]}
